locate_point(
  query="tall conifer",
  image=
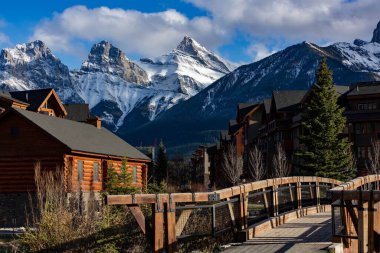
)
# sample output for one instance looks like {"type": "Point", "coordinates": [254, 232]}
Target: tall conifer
{"type": "Point", "coordinates": [326, 152]}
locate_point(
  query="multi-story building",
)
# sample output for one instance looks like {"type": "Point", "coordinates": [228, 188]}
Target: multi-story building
{"type": "Point", "coordinates": [278, 120]}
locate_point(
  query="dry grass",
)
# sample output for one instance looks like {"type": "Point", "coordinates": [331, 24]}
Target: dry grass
{"type": "Point", "coordinates": [62, 223]}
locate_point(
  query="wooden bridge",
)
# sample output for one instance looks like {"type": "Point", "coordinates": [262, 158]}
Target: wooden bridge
{"type": "Point", "coordinates": [253, 209]}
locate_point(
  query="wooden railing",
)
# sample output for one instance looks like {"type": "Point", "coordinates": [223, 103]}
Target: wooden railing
{"type": "Point", "coordinates": [356, 214]}
{"type": "Point", "coordinates": [176, 215]}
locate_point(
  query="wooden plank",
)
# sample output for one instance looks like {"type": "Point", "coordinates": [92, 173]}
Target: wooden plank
{"type": "Point", "coordinates": [158, 227]}
{"type": "Point", "coordinates": [139, 216]}
{"type": "Point", "coordinates": [170, 227]}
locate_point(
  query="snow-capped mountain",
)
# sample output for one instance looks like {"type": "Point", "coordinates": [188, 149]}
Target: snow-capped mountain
{"type": "Point", "coordinates": [187, 69]}
{"type": "Point", "coordinates": [116, 88]}
{"type": "Point", "coordinates": [123, 93]}
{"type": "Point", "coordinates": [33, 66]}
{"type": "Point", "coordinates": [200, 119]}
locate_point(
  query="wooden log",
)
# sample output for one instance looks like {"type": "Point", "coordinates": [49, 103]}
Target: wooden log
{"type": "Point", "coordinates": [139, 216]}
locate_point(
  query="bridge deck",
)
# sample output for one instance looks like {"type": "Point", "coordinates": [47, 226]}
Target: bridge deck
{"type": "Point", "coordinates": [310, 233]}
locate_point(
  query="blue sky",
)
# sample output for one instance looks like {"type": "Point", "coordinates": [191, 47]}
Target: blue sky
{"type": "Point", "coordinates": [241, 31]}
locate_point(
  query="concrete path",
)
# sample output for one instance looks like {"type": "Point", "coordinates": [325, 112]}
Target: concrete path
{"type": "Point", "coordinates": [310, 233]}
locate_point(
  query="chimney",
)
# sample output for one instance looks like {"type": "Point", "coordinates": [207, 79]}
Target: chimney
{"type": "Point", "coordinates": [95, 121]}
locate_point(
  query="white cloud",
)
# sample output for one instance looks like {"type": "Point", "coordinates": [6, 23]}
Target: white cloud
{"type": "Point", "coordinates": [328, 20]}
{"type": "Point", "coordinates": [149, 34]}
{"type": "Point", "coordinates": [4, 39]}
{"type": "Point", "coordinates": [259, 51]}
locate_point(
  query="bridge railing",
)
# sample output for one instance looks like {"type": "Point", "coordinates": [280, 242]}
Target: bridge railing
{"type": "Point", "coordinates": [181, 215]}
{"type": "Point", "coordinates": [356, 214]}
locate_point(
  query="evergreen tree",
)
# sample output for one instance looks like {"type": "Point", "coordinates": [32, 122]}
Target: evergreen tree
{"type": "Point", "coordinates": [161, 168]}
{"type": "Point", "coordinates": [122, 182]}
{"type": "Point", "coordinates": [325, 152]}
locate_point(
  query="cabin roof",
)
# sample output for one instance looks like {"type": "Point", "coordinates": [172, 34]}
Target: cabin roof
{"type": "Point", "coordinates": [245, 108]}
{"type": "Point", "coordinates": [83, 137]}
{"type": "Point", "coordinates": [364, 89]}
{"type": "Point", "coordinates": [33, 97]}
{"type": "Point", "coordinates": [287, 98]}
{"type": "Point", "coordinates": [8, 96]}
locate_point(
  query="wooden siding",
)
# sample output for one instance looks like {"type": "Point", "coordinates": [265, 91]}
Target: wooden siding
{"type": "Point", "coordinates": [17, 175]}
{"type": "Point", "coordinates": [140, 171]}
{"type": "Point", "coordinates": [88, 184]}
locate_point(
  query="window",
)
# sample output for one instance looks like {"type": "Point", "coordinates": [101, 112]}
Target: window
{"type": "Point", "coordinates": [80, 170]}
{"type": "Point", "coordinates": [15, 131]}
{"type": "Point", "coordinates": [134, 174]}
{"type": "Point", "coordinates": [96, 172]}
{"type": "Point", "coordinates": [367, 106]}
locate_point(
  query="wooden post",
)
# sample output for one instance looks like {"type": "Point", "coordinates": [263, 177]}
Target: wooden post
{"type": "Point", "coordinates": [362, 226]}
{"type": "Point", "coordinates": [170, 226]}
{"type": "Point", "coordinates": [299, 195]}
{"type": "Point", "coordinates": [275, 200]}
{"type": "Point", "coordinates": [318, 194]}
{"type": "Point", "coordinates": [371, 224]}
{"type": "Point", "coordinates": [243, 210]}
{"type": "Point", "coordinates": [158, 226]}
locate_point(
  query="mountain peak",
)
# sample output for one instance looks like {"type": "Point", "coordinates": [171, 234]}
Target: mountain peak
{"type": "Point", "coordinates": [376, 34]}
{"type": "Point", "coordinates": [27, 52]}
{"type": "Point", "coordinates": [190, 46]}
{"type": "Point", "coordinates": [106, 58]}
{"type": "Point", "coordinates": [105, 52]}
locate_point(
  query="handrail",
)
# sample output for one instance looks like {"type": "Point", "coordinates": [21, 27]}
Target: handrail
{"type": "Point", "coordinates": [219, 194]}
{"type": "Point", "coordinates": [357, 182]}
{"type": "Point", "coordinates": [355, 205]}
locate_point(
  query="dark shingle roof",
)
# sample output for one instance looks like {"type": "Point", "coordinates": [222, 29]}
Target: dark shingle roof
{"type": "Point", "coordinates": [364, 90]}
{"type": "Point", "coordinates": [288, 98]}
{"type": "Point", "coordinates": [341, 89]}
{"type": "Point", "coordinates": [83, 137]}
{"type": "Point", "coordinates": [33, 97]}
{"type": "Point", "coordinates": [8, 96]}
{"type": "Point", "coordinates": [77, 112]}
{"type": "Point", "coordinates": [245, 108]}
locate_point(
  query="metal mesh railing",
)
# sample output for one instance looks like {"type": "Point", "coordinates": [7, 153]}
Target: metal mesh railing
{"type": "Point", "coordinates": [207, 219]}
{"type": "Point", "coordinates": [287, 198]}
{"type": "Point", "coordinates": [308, 195]}
{"type": "Point", "coordinates": [259, 205]}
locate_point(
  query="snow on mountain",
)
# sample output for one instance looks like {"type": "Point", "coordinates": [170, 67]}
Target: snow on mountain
{"type": "Point", "coordinates": [33, 66]}
{"type": "Point", "coordinates": [119, 90]}
{"type": "Point", "coordinates": [187, 69]}
{"type": "Point", "coordinates": [364, 57]}
{"type": "Point", "coordinates": [290, 69]}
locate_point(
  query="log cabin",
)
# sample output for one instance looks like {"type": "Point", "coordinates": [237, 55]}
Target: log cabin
{"type": "Point", "coordinates": [36, 127]}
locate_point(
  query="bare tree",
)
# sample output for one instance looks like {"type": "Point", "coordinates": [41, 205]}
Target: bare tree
{"type": "Point", "coordinates": [256, 163]}
{"type": "Point", "coordinates": [232, 164]}
{"type": "Point", "coordinates": [281, 166]}
{"type": "Point", "coordinates": [373, 163]}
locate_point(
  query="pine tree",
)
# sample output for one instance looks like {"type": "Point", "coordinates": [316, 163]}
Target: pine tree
{"type": "Point", "coordinates": [161, 168]}
{"type": "Point", "coordinates": [120, 183]}
{"type": "Point", "coordinates": [326, 152]}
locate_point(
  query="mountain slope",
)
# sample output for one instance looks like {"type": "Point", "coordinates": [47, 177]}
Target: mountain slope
{"type": "Point", "coordinates": [33, 66]}
{"type": "Point", "coordinates": [127, 95]}
{"type": "Point", "coordinates": [199, 119]}
{"type": "Point", "coordinates": [116, 88]}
